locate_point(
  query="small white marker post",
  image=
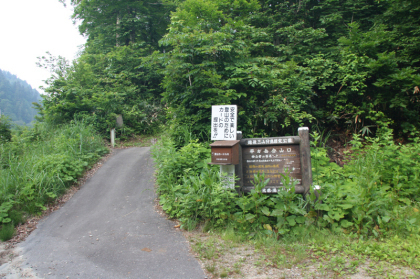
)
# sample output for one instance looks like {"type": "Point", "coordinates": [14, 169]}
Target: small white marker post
{"type": "Point", "coordinates": [119, 123]}
{"type": "Point", "coordinates": [113, 137]}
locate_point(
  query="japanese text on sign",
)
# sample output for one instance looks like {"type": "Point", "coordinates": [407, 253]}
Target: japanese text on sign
{"type": "Point", "coordinates": [269, 141]}
{"type": "Point", "coordinates": [224, 122]}
{"type": "Point", "coordinates": [273, 161]}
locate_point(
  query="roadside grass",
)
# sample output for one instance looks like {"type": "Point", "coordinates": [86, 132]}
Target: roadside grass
{"type": "Point", "coordinates": [319, 254]}
{"type": "Point", "coordinates": [39, 164]}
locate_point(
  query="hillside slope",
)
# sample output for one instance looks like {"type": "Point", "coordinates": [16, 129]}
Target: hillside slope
{"type": "Point", "coordinates": [16, 97]}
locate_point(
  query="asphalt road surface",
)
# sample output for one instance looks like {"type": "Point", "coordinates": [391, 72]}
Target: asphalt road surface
{"type": "Point", "coordinates": [110, 229]}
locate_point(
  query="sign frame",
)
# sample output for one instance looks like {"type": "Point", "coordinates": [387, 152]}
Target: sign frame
{"type": "Point", "coordinates": [302, 141]}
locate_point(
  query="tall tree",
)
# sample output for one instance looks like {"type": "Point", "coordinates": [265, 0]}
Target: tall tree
{"type": "Point", "coordinates": [111, 77]}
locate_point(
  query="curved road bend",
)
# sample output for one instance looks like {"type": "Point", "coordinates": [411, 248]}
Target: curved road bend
{"type": "Point", "coordinates": [109, 229]}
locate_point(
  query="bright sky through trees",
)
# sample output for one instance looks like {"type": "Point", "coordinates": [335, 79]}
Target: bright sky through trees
{"type": "Point", "coordinates": [28, 29]}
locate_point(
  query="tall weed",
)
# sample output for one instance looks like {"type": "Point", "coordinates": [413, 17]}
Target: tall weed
{"type": "Point", "coordinates": [189, 188]}
{"type": "Point", "coordinates": [40, 162]}
{"type": "Point", "coordinates": [375, 192]}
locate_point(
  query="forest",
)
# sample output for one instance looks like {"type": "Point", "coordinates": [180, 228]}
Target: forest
{"type": "Point", "coordinates": [16, 98]}
{"type": "Point", "coordinates": [347, 69]}
{"type": "Point", "coordinates": [346, 66]}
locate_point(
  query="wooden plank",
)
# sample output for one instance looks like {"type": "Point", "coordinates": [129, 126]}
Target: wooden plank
{"type": "Point", "coordinates": [239, 170]}
{"type": "Point", "coordinates": [305, 159]}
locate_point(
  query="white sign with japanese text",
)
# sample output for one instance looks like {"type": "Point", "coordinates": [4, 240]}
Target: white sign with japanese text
{"type": "Point", "coordinates": [224, 122]}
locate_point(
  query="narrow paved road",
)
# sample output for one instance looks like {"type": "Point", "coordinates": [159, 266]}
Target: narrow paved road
{"type": "Point", "coordinates": [110, 229]}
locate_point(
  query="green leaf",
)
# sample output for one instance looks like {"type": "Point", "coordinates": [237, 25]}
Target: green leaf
{"type": "Point", "coordinates": [300, 219]}
{"type": "Point", "coordinates": [267, 227]}
{"type": "Point", "coordinates": [386, 219]}
{"type": "Point", "coordinates": [265, 211]}
{"type": "Point", "coordinates": [5, 220]}
{"type": "Point", "coordinates": [345, 205]}
{"type": "Point", "coordinates": [277, 212]}
{"type": "Point", "coordinates": [345, 224]}
{"type": "Point", "coordinates": [41, 206]}
{"type": "Point", "coordinates": [291, 220]}
{"type": "Point", "coordinates": [322, 206]}
{"type": "Point", "coordinates": [249, 217]}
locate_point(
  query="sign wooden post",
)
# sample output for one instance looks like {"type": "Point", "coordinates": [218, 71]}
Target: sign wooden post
{"type": "Point", "coordinates": [305, 159]}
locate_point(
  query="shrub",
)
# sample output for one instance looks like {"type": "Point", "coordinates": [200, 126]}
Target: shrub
{"type": "Point", "coordinates": [5, 129]}
{"type": "Point", "coordinates": [376, 191]}
{"type": "Point", "coordinates": [7, 231]}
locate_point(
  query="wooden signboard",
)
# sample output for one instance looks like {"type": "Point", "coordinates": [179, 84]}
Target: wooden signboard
{"type": "Point", "coordinates": [225, 152]}
{"type": "Point", "coordinates": [273, 157]}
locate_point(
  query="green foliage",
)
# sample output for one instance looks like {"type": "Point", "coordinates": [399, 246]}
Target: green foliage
{"type": "Point", "coordinates": [395, 249]}
{"type": "Point", "coordinates": [189, 189]}
{"type": "Point", "coordinates": [289, 63]}
{"type": "Point", "coordinates": [212, 61]}
{"type": "Point", "coordinates": [40, 162]}
{"type": "Point", "coordinates": [273, 214]}
{"type": "Point", "coordinates": [346, 65]}
{"type": "Point", "coordinates": [375, 192]}
{"type": "Point", "coordinates": [100, 86]}
{"type": "Point", "coordinates": [113, 75]}
{"type": "Point", "coordinates": [7, 231]}
{"type": "Point", "coordinates": [5, 129]}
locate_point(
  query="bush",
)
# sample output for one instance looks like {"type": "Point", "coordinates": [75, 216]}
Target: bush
{"type": "Point", "coordinates": [376, 192]}
{"type": "Point", "coordinates": [7, 231]}
{"type": "Point", "coordinates": [189, 188]}
{"type": "Point", "coordinates": [5, 129]}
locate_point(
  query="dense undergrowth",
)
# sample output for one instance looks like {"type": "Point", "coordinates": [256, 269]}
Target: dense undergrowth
{"type": "Point", "coordinates": [37, 166]}
{"type": "Point", "coordinates": [374, 196]}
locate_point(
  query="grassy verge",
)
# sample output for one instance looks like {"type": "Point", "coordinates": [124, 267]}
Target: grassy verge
{"type": "Point", "coordinates": [319, 254]}
{"type": "Point", "coordinates": [39, 164]}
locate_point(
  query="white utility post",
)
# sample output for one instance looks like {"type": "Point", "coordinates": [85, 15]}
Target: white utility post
{"type": "Point", "coordinates": [113, 137]}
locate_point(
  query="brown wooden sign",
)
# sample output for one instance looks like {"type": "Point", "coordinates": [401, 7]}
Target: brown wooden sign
{"type": "Point", "coordinates": [225, 152]}
{"type": "Point", "coordinates": [271, 160]}
{"type": "Point", "coordinates": [273, 157]}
